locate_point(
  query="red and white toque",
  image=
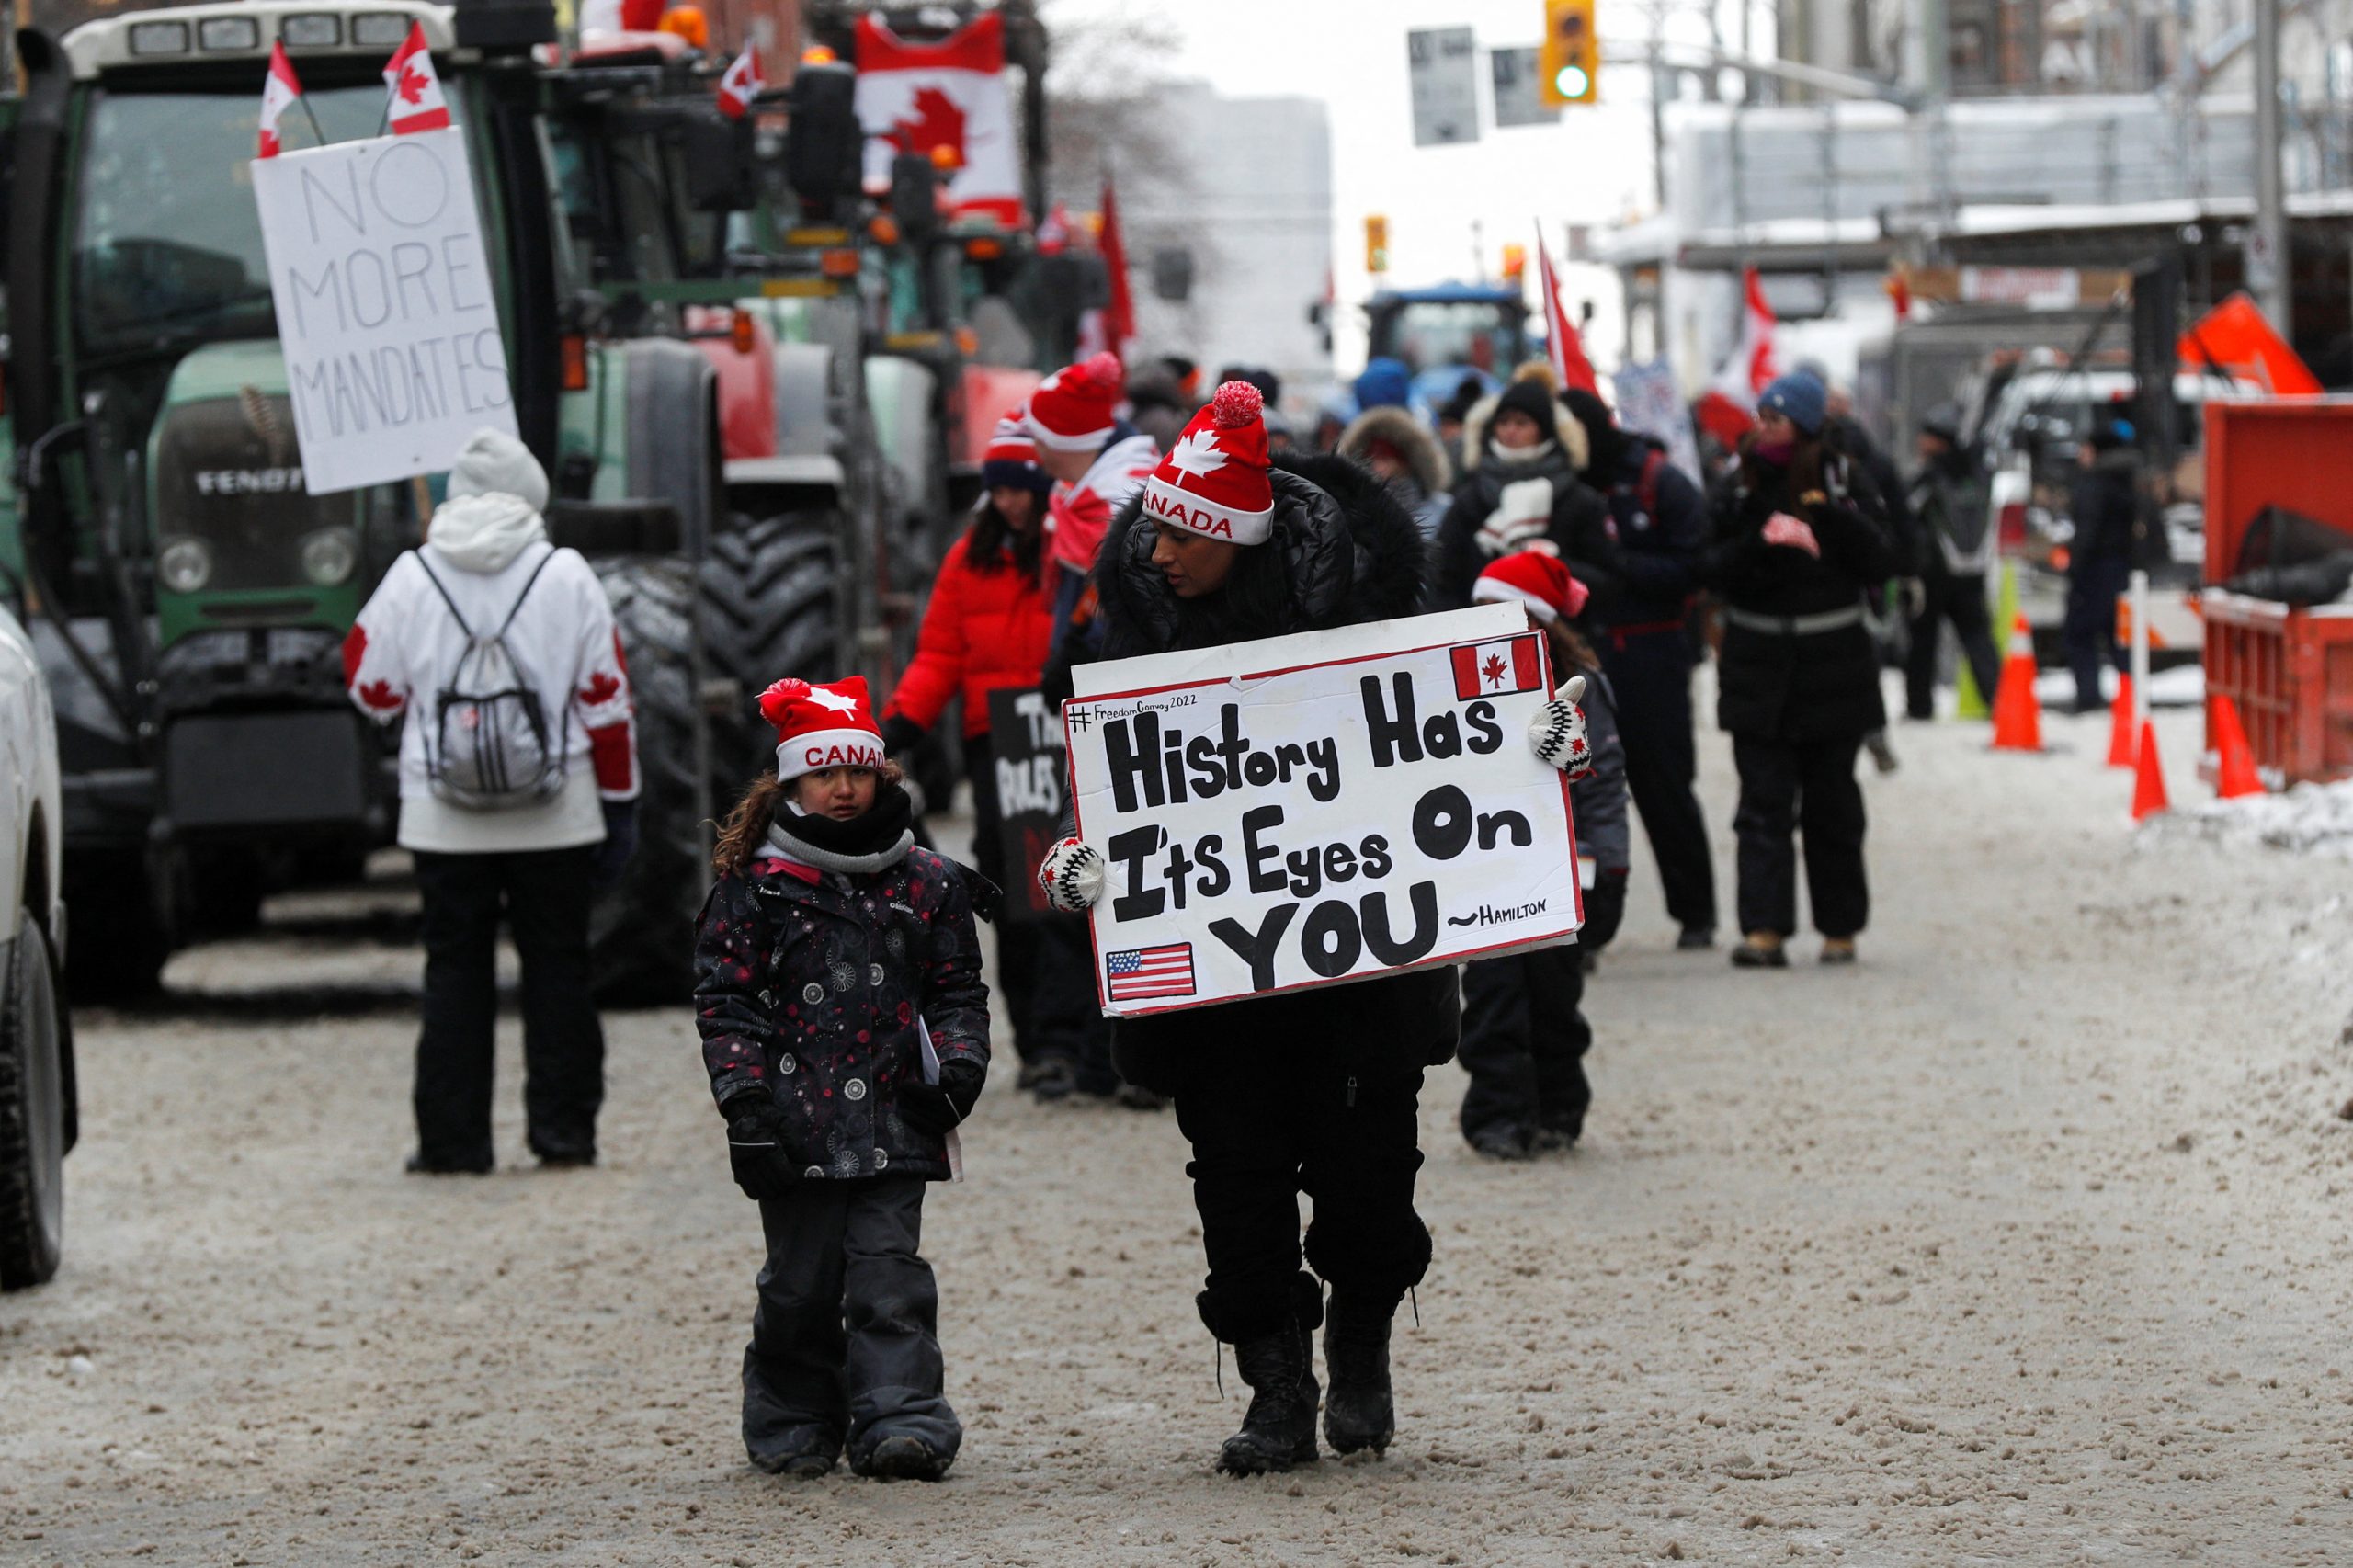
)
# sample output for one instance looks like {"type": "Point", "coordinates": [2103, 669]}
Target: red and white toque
{"type": "Point", "coordinates": [1213, 481]}
{"type": "Point", "coordinates": [1535, 579]}
{"type": "Point", "coordinates": [821, 726]}
{"type": "Point", "coordinates": [1076, 407]}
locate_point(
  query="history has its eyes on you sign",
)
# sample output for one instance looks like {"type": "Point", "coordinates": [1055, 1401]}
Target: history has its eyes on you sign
{"type": "Point", "coordinates": [1311, 810]}
{"type": "Point", "coordinates": [386, 305]}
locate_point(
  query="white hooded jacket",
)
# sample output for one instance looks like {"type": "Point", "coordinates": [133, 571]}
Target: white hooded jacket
{"type": "Point", "coordinates": [404, 647]}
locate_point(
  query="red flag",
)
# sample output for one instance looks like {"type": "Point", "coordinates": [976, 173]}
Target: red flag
{"type": "Point", "coordinates": [1495, 669]}
{"type": "Point", "coordinates": [279, 91]}
{"type": "Point", "coordinates": [1561, 345]}
{"type": "Point", "coordinates": [1753, 364]}
{"type": "Point", "coordinates": [1119, 316]}
{"type": "Point", "coordinates": [917, 97]}
{"type": "Point", "coordinates": [415, 88]}
{"type": "Point", "coordinates": [741, 84]}
{"type": "Point", "coordinates": [2235, 339]}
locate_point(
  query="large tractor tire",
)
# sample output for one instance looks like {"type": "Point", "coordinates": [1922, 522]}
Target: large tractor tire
{"type": "Point", "coordinates": [771, 607]}
{"type": "Point", "coordinates": [641, 931]}
{"type": "Point", "coordinates": [120, 940]}
{"type": "Point", "coordinates": [33, 1113]}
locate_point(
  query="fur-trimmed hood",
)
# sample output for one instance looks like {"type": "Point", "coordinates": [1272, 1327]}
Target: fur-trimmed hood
{"type": "Point", "coordinates": [1349, 552]}
{"type": "Point", "coordinates": [1567, 434]}
{"type": "Point", "coordinates": [1431, 471]}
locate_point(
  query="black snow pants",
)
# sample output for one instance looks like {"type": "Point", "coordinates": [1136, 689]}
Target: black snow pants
{"type": "Point", "coordinates": [1524, 1041]}
{"type": "Point", "coordinates": [1271, 1115]}
{"type": "Point", "coordinates": [1649, 671]}
{"type": "Point", "coordinates": [2089, 630]}
{"type": "Point", "coordinates": [1045, 968]}
{"type": "Point", "coordinates": [845, 1343]}
{"type": "Point", "coordinates": [1961, 601]}
{"type": "Point", "coordinates": [1805, 787]}
{"type": "Point", "coordinates": [544, 896]}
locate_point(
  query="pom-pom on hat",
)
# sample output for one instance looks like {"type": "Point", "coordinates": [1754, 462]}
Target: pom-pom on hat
{"type": "Point", "coordinates": [1535, 579]}
{"type": "Point", "coordinates": [821, 726]}
{"type": "Point", "coordinates": [1010, 461]}
{"type": "Point", "coordinates": [1073, 408]}
{"type": "Point", "coordinates": [1213, 481]}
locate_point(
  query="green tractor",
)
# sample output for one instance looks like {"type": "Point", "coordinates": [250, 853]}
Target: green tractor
{"type": "Point", "coordinates": [187, 596]}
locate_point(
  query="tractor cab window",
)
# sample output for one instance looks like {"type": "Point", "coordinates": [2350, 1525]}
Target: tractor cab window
{"type": "Point", "coordinates": [1436, 335]}
{"type": "Point", "coordinates": [166, 243]}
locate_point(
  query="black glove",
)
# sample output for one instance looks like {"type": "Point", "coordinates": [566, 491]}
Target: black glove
{"type": "Point", "coordinates": [620, 843]}
{"type": "Point", "coordinates": [900, 733]}
{"type": "Point", "coordinates": [936, 1108]}
{"type": "Point", "coordinates": [756, 1149]}
{"type": "Point", "coordinates": [1604, 908]}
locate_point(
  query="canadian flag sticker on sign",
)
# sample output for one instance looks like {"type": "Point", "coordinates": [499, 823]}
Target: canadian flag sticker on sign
{"type": "Point", "coordinates": [1496, 669]}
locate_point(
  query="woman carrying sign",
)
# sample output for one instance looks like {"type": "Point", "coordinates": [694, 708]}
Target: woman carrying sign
{"type": "Point", "coordinates": [1795, 550]}
{"type": "Point", "coordinates": [1311, 1092]}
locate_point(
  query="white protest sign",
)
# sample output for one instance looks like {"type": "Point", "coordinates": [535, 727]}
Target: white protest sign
{"type": "Point", "coordinates": [385, 307]}
{"type": "Point", "coordinates": [1648, 404]}
{"type": "Point", "coordinates": [1311, 810]}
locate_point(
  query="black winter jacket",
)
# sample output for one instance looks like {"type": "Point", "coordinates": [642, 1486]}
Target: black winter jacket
{"type": "Point", "coordinates": [1808, 685]}
{"type": "Point", "coordinates": [2106, 502]}
{"type": "Point", "coordinates": [1580, 524]}
{"type": "Point", "coordinates": [1652, 564]}
{"type": "Point", "coordinates": [1350, 553]}
{"type": "Point", "coordinates": [808, 992]}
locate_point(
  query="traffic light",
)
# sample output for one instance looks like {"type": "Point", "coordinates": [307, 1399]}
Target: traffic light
{"type": "Point", "coordinates": [1568, 63]}
{"type": "Point", "coordinates": [1376, 243]}
{"type": "Point", "coordinates": [1515, 263]}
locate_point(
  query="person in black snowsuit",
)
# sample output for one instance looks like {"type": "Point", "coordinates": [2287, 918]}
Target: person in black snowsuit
{"type": "Point", "coordinates": [1658, 522]}
{"type": "Point", "coordinates": [1521, 485]}
{"type": "Point", "coordinates": [834, 963]}
{"type": "Point", "coordinates": [1950, 508]}
{"type": "Point", "coordinates": [1524, 1038]}
{"type": "Point", "coordinates": [1313, 1091]}
{"type": "Point", "coordinates": [2106, 503]}
{"type": "Point", "coordinates": [1795, 550]}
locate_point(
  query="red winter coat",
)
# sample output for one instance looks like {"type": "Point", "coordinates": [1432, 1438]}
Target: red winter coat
{"type": "Point", "coordinates": [985, 630]}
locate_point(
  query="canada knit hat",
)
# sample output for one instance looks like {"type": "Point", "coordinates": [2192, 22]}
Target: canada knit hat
{"type": "Point", "coordinates": [493, 462]}
{"type": "Point", "coordinates": [1535, 578]}
{"type": "Point", "coordinates": [1213, 481]}
{"type": "Point", "coordinates": [1010, 460]}
{"type": "Point", "coordinates": [1076, 406]}
{"type": "Point", "coordinates": [821, 726]}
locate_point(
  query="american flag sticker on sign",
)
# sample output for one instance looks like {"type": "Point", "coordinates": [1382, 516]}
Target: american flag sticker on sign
{"type": "Point", "coordinates": [1142, 972]}
{"type": "Point", "coordinates": [1497, 669]}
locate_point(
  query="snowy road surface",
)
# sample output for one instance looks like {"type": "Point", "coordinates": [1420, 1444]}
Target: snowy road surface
{"type": "Point", "coordinates": [2023, 1243]}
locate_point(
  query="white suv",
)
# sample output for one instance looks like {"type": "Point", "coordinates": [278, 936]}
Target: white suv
{"type": "Point", "coordinates": [37, 1094]}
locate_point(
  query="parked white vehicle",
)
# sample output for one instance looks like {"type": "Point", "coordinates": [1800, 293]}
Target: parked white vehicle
{"type": "Point", "coordinates": [38, 1119]}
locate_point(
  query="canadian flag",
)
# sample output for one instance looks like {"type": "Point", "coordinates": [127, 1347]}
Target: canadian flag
{"type": "Point", "coordinates": [417, 101]}
{"type": "Point", "coordinates": [916, 97]}
{"type": "Point", "coordinates": [1561, 345]}
{"type": "Point", "coordinates": [1753, 365]}
{"type": "Point", "coordinates": [741, 84]}
{"type": "Point", "coordinates": [279, 91]}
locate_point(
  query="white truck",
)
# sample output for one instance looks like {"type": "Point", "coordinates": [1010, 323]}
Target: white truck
{"type": "Point", "coordinates": [38, 1113]}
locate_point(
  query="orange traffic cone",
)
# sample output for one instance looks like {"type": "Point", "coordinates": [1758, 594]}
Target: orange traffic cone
{"type": "Point", "coordinates": [2234, 772]}
{"type": "Point", "coordinates": [2148, 776]}
{"type": "Point", "coordinates": [2017, 713]}
{"type": "Point", "coordinates": [2119, 725]}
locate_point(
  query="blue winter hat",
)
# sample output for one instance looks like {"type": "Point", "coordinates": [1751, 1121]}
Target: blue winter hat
{"type": "Point", "coordinates": [1385, 382]}
{"type": "Point", "coordinates": [1797, 398]}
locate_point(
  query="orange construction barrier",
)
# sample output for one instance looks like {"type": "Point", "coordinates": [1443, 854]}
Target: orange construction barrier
{"type": "Point", "coordinates": [2148, 776]}
{"type": "Point", "coordinates": [2119, 725]}
{"type": "Point", "coordinates": [2017, 713]}
{"type": "Point", "coordinates": [2234, 772]}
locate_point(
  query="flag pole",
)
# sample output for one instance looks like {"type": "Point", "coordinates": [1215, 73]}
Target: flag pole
{"type": "Point", "coordinates": [313, 115]}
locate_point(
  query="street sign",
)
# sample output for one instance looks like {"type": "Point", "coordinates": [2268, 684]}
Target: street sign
{"type": "Point", "coordinates": [1519, 93]}
{"type": "Point", "coordinates": [1442, 65]}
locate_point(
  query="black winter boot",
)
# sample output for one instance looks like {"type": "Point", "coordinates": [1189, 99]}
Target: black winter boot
{"type": "Point", "coordinates": [1362, 1412]}
{"type": "Point", "coordinates": [1279, 1429]}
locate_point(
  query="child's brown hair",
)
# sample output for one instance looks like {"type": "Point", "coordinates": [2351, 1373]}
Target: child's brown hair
{"type": "Point", "coordinates": [746, 827]}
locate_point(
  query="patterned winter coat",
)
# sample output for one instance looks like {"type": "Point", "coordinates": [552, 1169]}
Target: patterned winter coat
{"type": "Point", "coordinates": [808, 986]}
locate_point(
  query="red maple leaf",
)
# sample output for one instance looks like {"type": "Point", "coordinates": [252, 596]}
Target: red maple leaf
{"type": "Point", "coordinates": [601, 688]}
{"type": "Point", "coordinates": [380, 696]}
{"type": "Point", "coordinates": [938, 122]}
{"type": "Point", "coordinates": [1494, 669]}
{"type": "Point", "coordinates": [411, 87]}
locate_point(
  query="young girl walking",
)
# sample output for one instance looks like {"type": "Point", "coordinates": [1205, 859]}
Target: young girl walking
{"type": "Point", "coordinates": [844, 1025]}
{"type": "Point", "coordinates": [1524, 1036]}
